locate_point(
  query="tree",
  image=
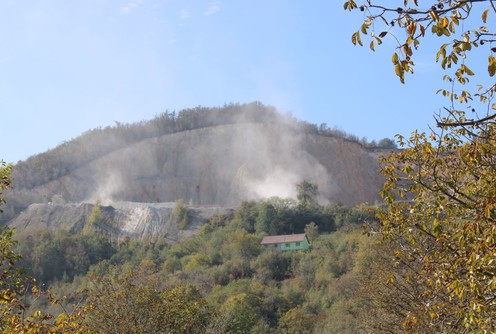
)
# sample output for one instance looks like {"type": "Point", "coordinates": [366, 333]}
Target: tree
{"type": "Point", "coordinates": [312, 231]}
{"type": "Point", "coordinates": [440, 190]}
{"type": "Point", "coordinates": [132, 301]}
{"type": "Point", "coordinates": [387, 143]}
{"type": "Point", "coordinates": [444, 18]}
{"type": "Point", "coordinates": [297, 321]}
{"type": "Point", "coordinates": [246, 216]}
{"type": "Point", "coordinates": [266, 220]}
{"type": "Point", "coordinates": [394, 299]}
{"type": "Point", "coordinates": [242, 311]}
{"type": "Point", "coordinates": [95, 217]}
{"type": "Point", "coordinates": [5, 179]}
{"type": "Point", "coordinates": [181, 214]}
{"type": "Point", "coordinates": [453, 21]}
{"type": "Point", "coordinates": [15, 290]}
{"type": "Point", "coordinates": [307, 193]}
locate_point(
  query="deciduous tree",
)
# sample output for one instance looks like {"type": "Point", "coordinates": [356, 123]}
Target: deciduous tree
{"type": "Point", "coordinates": [440, 190]}
{"type": "Point", "coordinates": [5, 179]}
{"type": "Point", "coordinates": [132, 301]}
{"type": "Point", "coordinates": [15, 287]}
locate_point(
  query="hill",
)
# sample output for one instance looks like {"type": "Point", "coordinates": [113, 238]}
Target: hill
{"type": "Point", "coordinates": [205, 156]}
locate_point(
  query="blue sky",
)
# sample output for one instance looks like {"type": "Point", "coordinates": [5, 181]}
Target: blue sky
{"type": "Point", "coordinates": [70, 66]}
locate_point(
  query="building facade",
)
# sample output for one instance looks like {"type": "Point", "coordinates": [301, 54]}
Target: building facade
{"type": "Point", "coordinates": [287, 242]}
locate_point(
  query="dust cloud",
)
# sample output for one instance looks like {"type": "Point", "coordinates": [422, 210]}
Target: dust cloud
{"type": "Point", "coordinates": [274, 160]}
{"type": "Point", "coordinates": [256, 155]}
{"type": "Point", "coordinates": [108, 185]}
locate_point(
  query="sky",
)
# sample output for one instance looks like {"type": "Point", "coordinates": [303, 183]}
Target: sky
{"type": "Point", "coordinates": [70, 66]}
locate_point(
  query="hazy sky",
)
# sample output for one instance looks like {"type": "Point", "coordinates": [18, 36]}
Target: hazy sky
{"type": "Point", "coordinates": [70, 66]}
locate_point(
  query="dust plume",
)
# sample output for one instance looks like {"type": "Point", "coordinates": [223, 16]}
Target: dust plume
{"type": "Point", "coordinates": [109, 184]}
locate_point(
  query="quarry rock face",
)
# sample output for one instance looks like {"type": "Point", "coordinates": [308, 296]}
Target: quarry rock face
{"type": "Point", "coordinates": [118, 221]}
{"type": "Point", "coordinates": [209, 168]}
{"type": "Point", "coordinates": [222, 165]}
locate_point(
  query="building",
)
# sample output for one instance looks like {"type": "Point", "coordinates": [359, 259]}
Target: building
{"type": "Point", "coordinates": [287, 242]}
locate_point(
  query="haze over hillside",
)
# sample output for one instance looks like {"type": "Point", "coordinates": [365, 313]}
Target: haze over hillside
{"type": "Point", "coordinates": [205, 156]}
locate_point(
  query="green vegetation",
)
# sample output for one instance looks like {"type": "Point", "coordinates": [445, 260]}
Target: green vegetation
{"type": "Point", "coordinates": [307, 194]}
{"type": "Point", "coordinates": [16, 290]}
{"type": "Point", "coordinates": [222, 281]}
{"type": "Point", "coordinates": [181, 214]}
{"type": "Point", "coordinates": [5, 179]}
{"type": "Point", "coordinates": [132, 301]}
{"type": "Point", "coordinates": [62, 256]}
{"type": "Point", "coordinates": [434, 272]}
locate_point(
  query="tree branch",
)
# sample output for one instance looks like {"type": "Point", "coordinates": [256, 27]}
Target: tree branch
{"type": "Point", "coordinates": [472, 122]}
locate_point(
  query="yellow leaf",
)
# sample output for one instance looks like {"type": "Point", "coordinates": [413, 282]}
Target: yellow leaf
{"type": "Point", "coordinates": [489, 208]}
{"type": "Point", "coordinates": [359, 39]}
{"type": "Point", "coordinates": [364, 28]}
{"type": "Point", "coordinates": [444, 22]}
{"type": "Point", "coordinates": [441, 53]}
{"type": "Point", "coordinates": [484, 15]}
{"type": "Point", "coordinates": [492, 65]}
{"type": "Point", "coordinates": [372, 46]}
{"type": "Point", "coordinates": [468, 71]}
{"type": "Point", "coordinates": [398, 70]}
{"type": "Point", "coordinates": [395, 58]}
{"type": "Point", "coordinates": [451, 27]}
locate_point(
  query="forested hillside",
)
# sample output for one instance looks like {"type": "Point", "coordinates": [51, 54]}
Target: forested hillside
{"type": "Point", "coordinates": [422, 260]}
{"type": "Point", "coordinates": [119, 230]}
{"type": "Point", "coordinates": [221, 281]}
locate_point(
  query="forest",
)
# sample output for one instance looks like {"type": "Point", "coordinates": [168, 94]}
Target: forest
{"type": "Point", "coordinates": [423, 261]}
{"type": "Point", "coordinates": [221, 281]}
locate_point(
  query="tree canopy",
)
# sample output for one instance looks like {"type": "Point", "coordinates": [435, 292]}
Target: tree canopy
{"type": "Point", "coordinates": [5, 179]}
{"type": "Point", "coordinates": [440, 189]}
{"type": "Point", "coordinates": [465, 37]}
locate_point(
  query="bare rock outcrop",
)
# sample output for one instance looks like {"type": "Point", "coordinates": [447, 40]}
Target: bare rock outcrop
{"type": "Point", "coordinates": [117, 221]}
{"type": "Point", "coordinates": [220, 165]}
